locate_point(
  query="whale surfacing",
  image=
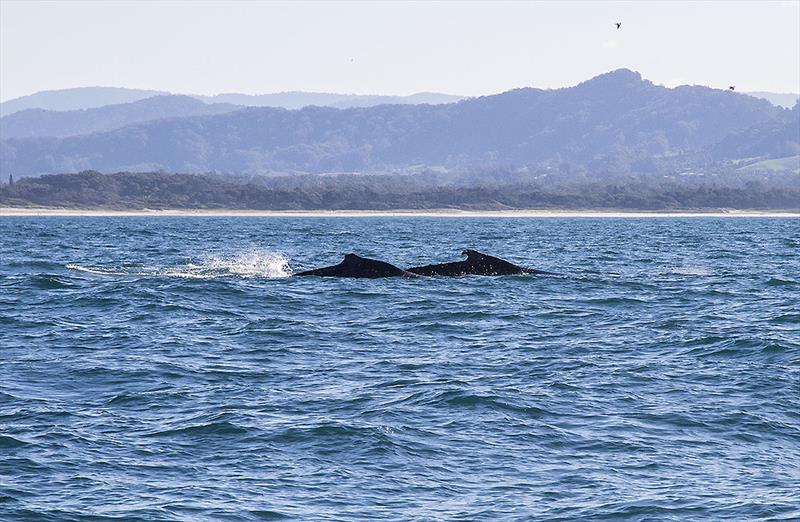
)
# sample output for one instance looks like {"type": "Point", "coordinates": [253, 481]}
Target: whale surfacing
{"type": "Point", "coordinates": [475, 264]}
{"type": "Point", "coordinates": [357, 266]}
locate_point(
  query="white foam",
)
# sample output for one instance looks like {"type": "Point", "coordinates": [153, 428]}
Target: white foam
{"type": "Point", "coordinates": [91, 270]}
{"type": "Point", "coordinates": [246, 264]}
{"type": "Point", "coordinates": [254, 263]}
{"type": "Point", "coordinates": [691, 270]}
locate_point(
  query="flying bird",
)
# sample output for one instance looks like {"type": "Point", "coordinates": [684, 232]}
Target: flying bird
{"type": "Point", "coordinates": [731, 87]}
{"type": "Point", "coordinates": [619, 25]}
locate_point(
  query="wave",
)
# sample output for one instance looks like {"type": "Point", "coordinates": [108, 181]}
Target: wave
{"type": "Point", "coordinates": [221, 428]}
{"type": "Point", "coordinates": [10, 442]}
{"type": "Point", "coordinates": [790, 318]}
{"type": "Point", "coordinates": [50, 282]}
{"type": "Point", "coordinates": [776, 281]}
{"type": "Point", "coordinates": [247, 264]}
{"type": "Point", "coordinates": [690, 270]}
{"type": "Point", "coordinates": [477, 400]}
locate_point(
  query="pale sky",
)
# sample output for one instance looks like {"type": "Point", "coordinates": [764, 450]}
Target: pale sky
{"type": "Point", "coordinates": [470, 48]}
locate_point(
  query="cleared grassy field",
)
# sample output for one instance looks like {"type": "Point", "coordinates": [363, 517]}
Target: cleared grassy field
{"type": "Point", "coordinates": [790, 163]}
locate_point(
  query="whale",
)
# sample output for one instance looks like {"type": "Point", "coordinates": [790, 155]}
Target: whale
{"type": "Point", "coordinates": [357, 266]}
{"type": "Point", "coordinates": [476, 263]}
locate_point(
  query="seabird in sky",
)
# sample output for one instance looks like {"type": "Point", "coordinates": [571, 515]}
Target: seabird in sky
{"type": "Point", "coordinates": [619, 25]}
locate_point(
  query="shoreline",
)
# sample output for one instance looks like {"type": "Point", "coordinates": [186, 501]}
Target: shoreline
{"type": "Point", "coordinates": [43, 212]}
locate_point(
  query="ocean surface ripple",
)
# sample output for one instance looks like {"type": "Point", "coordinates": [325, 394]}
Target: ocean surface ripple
{"type": "Point", "coordinates": [166, 368]}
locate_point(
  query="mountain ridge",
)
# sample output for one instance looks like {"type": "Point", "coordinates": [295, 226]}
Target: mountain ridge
{"type": "Point", "coordinates": [610, 122]}
{"type": "Point", "coordinates": [32, 123]}
{"type": "Point", "coordinates": [78, 98]}
{"type": "Point", "coordinates": [75, 98]}
{"type": "Point", "coordinates": [98, 96]}
{"type": "Point", "coordinates": [786, 100]}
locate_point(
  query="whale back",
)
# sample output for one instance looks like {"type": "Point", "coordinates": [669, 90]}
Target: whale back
{"type": "Point", "coordinates": [357, 266]}
{"type": "Point", "coordinates": [360, 267]}
{"type": "Point", "coordinates": [476, 263]}
{"type": "Point", "coordinates": [483, 264]}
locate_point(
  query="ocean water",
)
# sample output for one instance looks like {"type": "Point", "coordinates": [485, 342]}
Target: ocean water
{"type": "Point", "coordinates": [169, 369]}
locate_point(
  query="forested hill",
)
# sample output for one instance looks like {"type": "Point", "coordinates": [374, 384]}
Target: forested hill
{"type": "Point", "coordinates": [615, 122]}
{"type": "Point", "coordinates": [40, 122]}
{"type": "Point", "coordinates": [779, 137]}
{"type": "Point", "coordinates": [93, 97]}
{"type": "Point", "coordinates": [75, 99]}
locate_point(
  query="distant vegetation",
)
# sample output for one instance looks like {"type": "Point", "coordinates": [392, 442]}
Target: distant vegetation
{"type": "Point", "coordinates": [76, 98]}
{"type": "Point", "coordinates": [33, 123]}
{"type": "Point", "coordinates": [93, 97]}
{"type": "Point", "coordinates": [495, 189]}
{"type": "Point", "coordinates": [613, 124]}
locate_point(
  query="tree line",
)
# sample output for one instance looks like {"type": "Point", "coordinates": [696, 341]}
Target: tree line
{"type": "Point", "coordinates": [495, 190]}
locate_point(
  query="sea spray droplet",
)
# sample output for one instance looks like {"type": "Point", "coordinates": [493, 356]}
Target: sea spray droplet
{"type": "Point", "coordinates": [247, 264]}
{"type": "Point", "coordinates": [253, 263]}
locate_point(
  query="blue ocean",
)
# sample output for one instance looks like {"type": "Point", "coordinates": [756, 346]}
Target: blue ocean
{"type": "Point", "coordinates": [168, 368]}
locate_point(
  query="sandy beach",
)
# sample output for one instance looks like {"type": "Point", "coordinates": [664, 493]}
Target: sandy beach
{"type": "Point", "coordinates": [11, 211]}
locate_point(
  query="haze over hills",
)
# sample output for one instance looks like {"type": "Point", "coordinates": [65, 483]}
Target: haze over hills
{"type": "Point", "coordinates": [39, 122]}
{"type": "Point", "coordinates": [94, 97]}
{"type": "Point", "coordinates": [31, 123]}
{"type": "Point", "coordinates": [615, 122]}
{"type": "Point", "coordinates": [298, 100]}
{"type": "Point", "coordinates": [76, 98]}
{"type": "Point", "coordinates": [781, 99]}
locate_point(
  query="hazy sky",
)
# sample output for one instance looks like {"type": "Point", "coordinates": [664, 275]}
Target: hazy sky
{"type": "Point", "coordinates": [470, 48]}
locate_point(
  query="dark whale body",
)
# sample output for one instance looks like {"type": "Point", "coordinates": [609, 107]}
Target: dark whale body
{"type": "Point", "coordinates": [475, 264]}
{"type": "Point", "coordinates": [357, 266]}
